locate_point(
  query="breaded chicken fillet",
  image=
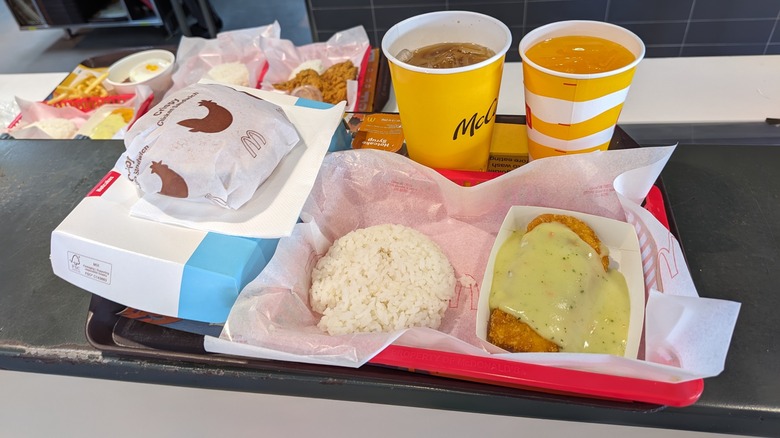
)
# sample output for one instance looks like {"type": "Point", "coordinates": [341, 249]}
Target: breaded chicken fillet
{"type": "Point", "coordinates": [512, 334]}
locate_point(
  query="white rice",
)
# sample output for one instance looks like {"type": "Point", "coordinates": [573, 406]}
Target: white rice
{"type": "Point", "coordinates": [58, 128]}
{"type": "Point", "coordinates": [231, 73]}
{"type": "Point", "coordinates": [381, 279]}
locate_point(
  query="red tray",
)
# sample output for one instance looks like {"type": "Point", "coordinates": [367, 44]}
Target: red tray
{"type": "Point", "coordinates": [104, 327]}
{"type": "Point", "coordinates": [492, 370]}
{"type": "Point", "coordinates": [538, 377]}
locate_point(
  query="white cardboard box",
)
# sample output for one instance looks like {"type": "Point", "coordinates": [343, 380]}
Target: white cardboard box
{"type": "Point", "coordinates": [157, 267]}
{"type": "Point", "coordinates": [99, 247]}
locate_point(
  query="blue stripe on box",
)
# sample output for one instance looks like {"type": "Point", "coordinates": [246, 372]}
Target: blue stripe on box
{"type": "Point", "coordinates": [217, 271]}
{"type": "Point", "coordinates": [341, 140]}
{"type": "Point", "coordinates": [306, 103]}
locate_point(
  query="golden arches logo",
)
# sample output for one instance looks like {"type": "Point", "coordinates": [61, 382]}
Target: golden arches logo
{"type": "Point", "coordinates": [253, 141]}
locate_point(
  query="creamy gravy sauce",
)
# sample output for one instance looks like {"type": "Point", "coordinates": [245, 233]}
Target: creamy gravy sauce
{"type": "Point", "coordinates": [554, 282]}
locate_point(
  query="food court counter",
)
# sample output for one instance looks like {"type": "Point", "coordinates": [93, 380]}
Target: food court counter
{"type": "Point", "coordinates": [723, 198]}
{"type": "Point", "coordinates": [693, 90]}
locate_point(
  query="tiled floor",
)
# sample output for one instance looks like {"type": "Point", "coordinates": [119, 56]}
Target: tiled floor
{"type": "Point", "coordinates": [50, 50]}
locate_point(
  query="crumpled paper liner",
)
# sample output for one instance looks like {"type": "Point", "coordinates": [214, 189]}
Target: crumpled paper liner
{"type": "Point", "coordinates": [32, 112]}
{"type": "Point", "coordinates": [196, 56]}
{"type": "Point", "coordinates": [687, 337]}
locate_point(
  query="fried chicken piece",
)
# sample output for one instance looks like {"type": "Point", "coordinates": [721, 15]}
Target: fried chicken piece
{"type": "Point", "coordinates": [334, 81]}
{"type": "Point", "coordinates": [582, 229]}
{"type": "Point", "coordinates": [340, 72]}
{"type": "Point", "coordinates": [511, 334]}
{"type": "Point", "coordinates": [335, 93]}
{"type": "Point", "coordinates": [304, 77]}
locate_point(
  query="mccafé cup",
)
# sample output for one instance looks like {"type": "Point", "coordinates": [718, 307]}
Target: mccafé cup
{"type": "Point", "coordinates": [574, 113]}
{"type": "Point", "coordinates": [448, 114]}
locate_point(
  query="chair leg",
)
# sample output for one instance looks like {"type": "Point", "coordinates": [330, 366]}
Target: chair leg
{"type": "Point", "coordinates": [207, 15]}
{"type": "Point", "coordinates": [181, 18]}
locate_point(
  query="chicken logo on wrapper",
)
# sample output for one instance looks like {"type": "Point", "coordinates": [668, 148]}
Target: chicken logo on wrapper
{"type": "Point", "coordinates": [220, 157]}
{"type": "Point", "coordinates": [172, 183]}
{"type": "Point", "coordinates": [218, 119]}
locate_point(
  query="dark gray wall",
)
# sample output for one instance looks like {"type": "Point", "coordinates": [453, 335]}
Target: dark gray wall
{"type": "Point", "coordinates": [668, 27]}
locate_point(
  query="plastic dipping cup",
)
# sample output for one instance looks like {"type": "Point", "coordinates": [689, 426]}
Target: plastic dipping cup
{"type": "Point", "coordinates": [569, 113]}
{"type": "Point", "coordinates": [448, 114]}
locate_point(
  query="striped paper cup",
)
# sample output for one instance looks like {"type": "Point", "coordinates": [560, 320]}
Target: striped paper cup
{"type": "Point", "coordinates": [570, 113]}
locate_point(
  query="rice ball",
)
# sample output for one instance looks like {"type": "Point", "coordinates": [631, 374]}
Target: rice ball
{"type": "Point", "coordinates": [231, 73]}
{"type": "Point", "coordinates": [381, 279]}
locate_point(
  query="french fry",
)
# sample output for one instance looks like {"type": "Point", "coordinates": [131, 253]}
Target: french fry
{"type": "Point", "coordinates": [95, 83]}
{"type": "Point", "coordinates": [86, 86]}
{"type": "Point", "coordinates": [78, 81]}
{"type": "Point", "coordinates": [57, 98]}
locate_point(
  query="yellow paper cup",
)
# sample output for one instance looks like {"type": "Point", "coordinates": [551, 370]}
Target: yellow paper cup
{"type": "Point", "coordinates": [574, 113]}
{"type": "Point", "coordinates": [448, 114]}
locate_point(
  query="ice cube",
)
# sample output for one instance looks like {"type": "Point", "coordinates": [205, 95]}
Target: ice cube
{"type": "Point", "coordinates": [404, 55]}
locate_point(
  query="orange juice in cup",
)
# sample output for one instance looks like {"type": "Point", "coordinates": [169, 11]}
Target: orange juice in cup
{"type": "Point", "coordinates": [576, 76]}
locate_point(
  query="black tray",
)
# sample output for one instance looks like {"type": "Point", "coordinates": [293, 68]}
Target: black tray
{"type": "Point", "coordinates": [132, 339]}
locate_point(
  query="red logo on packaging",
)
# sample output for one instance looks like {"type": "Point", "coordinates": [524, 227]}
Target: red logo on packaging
{"type": "Point", "coordinates": [104, 184]}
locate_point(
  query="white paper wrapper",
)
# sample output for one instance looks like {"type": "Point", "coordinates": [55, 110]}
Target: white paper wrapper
{"type": "Point", "coordinates": [208, 143]}
{"type": "Point", "coordinates": [274, 208]}
{"type": "Point", "coordinates": [196, 56]}
{"type": "Point", "coordinates": [687, 337]}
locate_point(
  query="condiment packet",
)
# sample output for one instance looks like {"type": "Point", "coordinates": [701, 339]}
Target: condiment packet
{"type": "Point", "coordinates": [271, 319]}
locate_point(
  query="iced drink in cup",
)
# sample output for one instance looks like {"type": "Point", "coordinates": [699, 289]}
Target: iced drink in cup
{"type": "Point", "coordinates": [576, 76]}
{"type": "Point", "coordinates": [446, 71]}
